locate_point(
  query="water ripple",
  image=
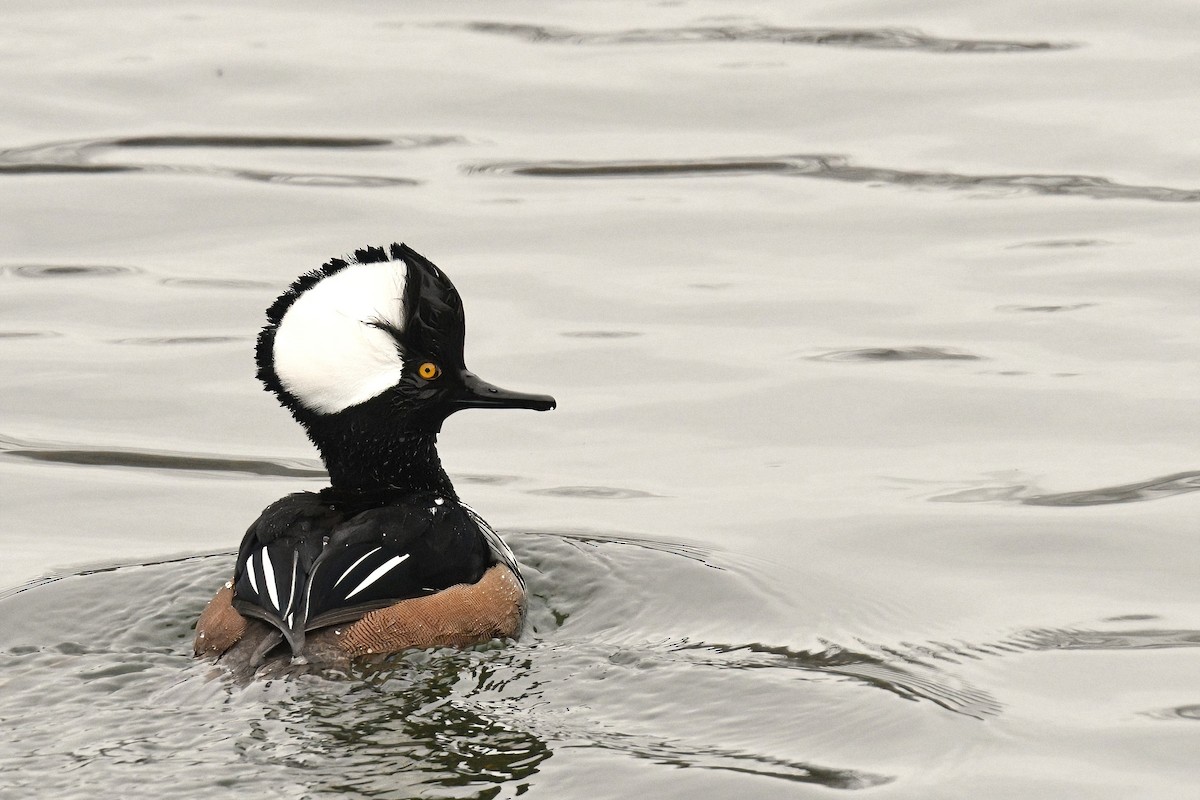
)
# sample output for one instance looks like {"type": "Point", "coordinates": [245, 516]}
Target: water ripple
{"type": "Point", "coordinates": [640, 169]}
{"type": "Point", "coordinates": [594, 492]}
{"type": "Point", "coordinates": [468, 721]}
{"type": "Point", "coordinates": [1045, 309]}
{"type": "Point", "coordinates": [76, 454]}
{"type": "Point", "coordinates": [895, 671]}
{"type": "Point", "coordinates": [485, 479]}
{"type": "Point", "coordinates": [29, 334]}
{"type": "Point", "coordinates": [692, 552]}
{"type": "Point", "coordinates": [315, 179]}
{"type": "Point", "coordinates": [1042, 640]}
{"type": "Point", "coordinates": [1061, 244]}
{"type": "Point", "coordinates": [1148, 639]}
{"type": "Point", "coordinates": [866, 38]}
{"type": "Point", "coordinates": [600, 334]}
{"type": "Point", "coordinates": [319, 142]}
{"type": "Point", "coordinates": [54, 453]}
{"type": "Point", "coordinates": [60, 169]}
{"type": "Point", "coordinates": [920, 353]}
{"type": "Point", "coordinates": [839, 168]}
{"type": "Point", "coordinates": [1153, 489]}
{"type": "Point", "coordinates": [79, 156]}
{"type": "Point", "coordinates": [661, 750]}
{"type": "Point", "coordinates": [566, 583]}
{"type": "Point", "coordinates": [1190, 713]}
{"type": "Point", "coordinates": [176, 340]}
{"type": "Point", "coordinates": [216, 283]}
{"type": "Point", "coordinates": [67, 270]}
{"type": "Point", "coordinates": [103, 567]}
{"type": "Point", "coordinates": [1176, 483]}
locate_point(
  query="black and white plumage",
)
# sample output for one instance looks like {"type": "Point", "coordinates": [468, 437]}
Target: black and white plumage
{"type": "Point", "coordinates": [367, 354]}
{"type": "Point", "coordinates": [317, 559]}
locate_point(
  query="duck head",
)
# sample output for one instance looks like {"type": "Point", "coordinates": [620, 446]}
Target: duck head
{"type": "Point", "coordinates": [367, 354]}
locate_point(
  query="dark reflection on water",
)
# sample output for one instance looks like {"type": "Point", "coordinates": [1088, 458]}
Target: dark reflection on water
{"type": "Point", "coordinates": [1046, 309]}
{"type": "Point", "coordinates": [1131, 618]}
{"type": "Point", "coordinates": [67, 270]}
{"type": "Point", "coordinates": [594, 492]}
{"type": "Point", "coordinates": [168, 461]}
{"type": "Point", "coordinates": [1154, 489]}
{"type": "Point", "coordinates": [1191, 713]}
{"type": "Point", "coordinates": [79, 157]}
{"type": "Point", "coordinates": [272, 142]}
{"type": "Point", "coordinates": [412, 722]}
{"type": "Point", "coordinates": [313, 179]}
{"type": "Point", "coordinates": [176, 340]}
{"type": "Point", "coordinates": [600, 334]}
{"type": "Point", "coordinates": [869, 38]}
{"type": "Point", "coordinates": [59, 169]}
{"type": "Point", "coordinates": [1057, 244]}
{"type": "Point", "coordinates": [639, 169]}
{"type": "Point", "coordinates": [482, 478]}
{"type": "Point", "coordinates": [28, 334]}
{"type": "Point", "coordinates": [838, 168]}
{"type": "Point", "coordinates": [1167, 486]}
{"type": "Point", "coordinates": [216, 283]}
{"type": "Point", "coordinates": [920, 353]}
{"type": "Point", "coordinates": [156, 459]}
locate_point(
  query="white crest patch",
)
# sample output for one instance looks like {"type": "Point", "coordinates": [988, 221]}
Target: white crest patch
{"type": "Point", "coordinates": [329, 353]}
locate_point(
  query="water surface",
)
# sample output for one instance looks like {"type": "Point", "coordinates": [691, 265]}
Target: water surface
{"type": "Point", "coordinates": [873, 330]}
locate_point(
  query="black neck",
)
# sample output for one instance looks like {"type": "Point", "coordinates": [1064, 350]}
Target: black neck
{"type": "Point", "coordinates": [371, 460]}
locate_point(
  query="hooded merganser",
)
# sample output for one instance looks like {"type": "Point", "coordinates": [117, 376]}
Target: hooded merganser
{"type": "Point", "coordinates": [367, 354]}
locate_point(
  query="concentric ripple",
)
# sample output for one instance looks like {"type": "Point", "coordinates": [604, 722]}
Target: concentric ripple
{"type": "Point", "coordinates": [436, 723]}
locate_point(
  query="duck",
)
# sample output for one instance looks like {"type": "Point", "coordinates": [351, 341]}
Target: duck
{"type": "Point", "coordinates": [366, 352]}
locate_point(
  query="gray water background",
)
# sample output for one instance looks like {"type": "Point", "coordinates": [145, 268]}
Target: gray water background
{"type": "Point", "coordinates": [874, 329]}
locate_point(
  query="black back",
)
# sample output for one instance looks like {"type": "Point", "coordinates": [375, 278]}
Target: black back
{"type": "Point", "coordinates": [316, 559]}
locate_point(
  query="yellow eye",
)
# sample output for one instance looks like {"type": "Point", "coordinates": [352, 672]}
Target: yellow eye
{"type": "Point", "coordinates": [428, 370]}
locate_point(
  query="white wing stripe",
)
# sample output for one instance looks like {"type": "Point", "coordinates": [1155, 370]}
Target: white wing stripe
{"type": "Point", "coordinates": [387, 566]}
{"type": "Point", "coordinates": [308, 594]}
{"type": "Point", "coordinates": [250, 573]}
{"type": "Point", "coordinates": [269, 574]}
{"type": "Point", "coordinates": [292, 588]}
{"type": "Point", "coordinates": [355, 564]}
